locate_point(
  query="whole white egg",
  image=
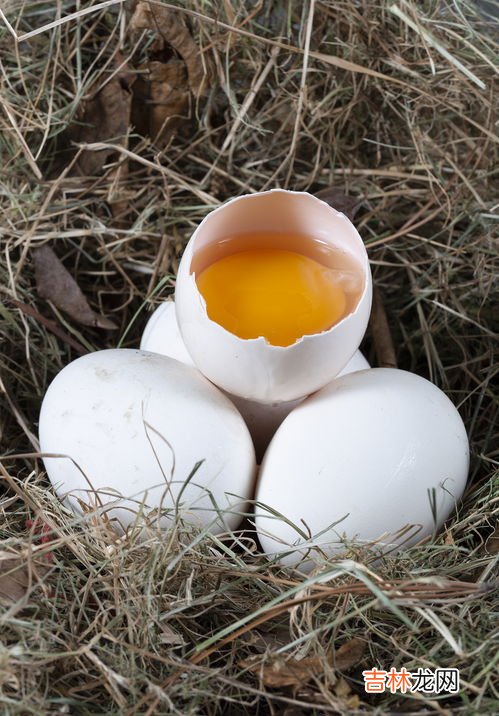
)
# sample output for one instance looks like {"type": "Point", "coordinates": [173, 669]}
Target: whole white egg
{"type": "Point", "coordinates": [139, 432]}
{"type": "Point", "coordinates": [379, 456]}
{"type": "Point", "coordinates": [162, 335]}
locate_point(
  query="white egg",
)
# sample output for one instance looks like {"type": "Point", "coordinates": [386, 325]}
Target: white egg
{"type": "Point", "coordinates": [379, 456]}
{"type": "Point", "coordinates": [254, 369]}
{"type": "Point", "coordinates": [356, 362]}
{"type": "Point", "coordinates": [162, 335]}
{"type": "Point", "coordinates": [139, 432]}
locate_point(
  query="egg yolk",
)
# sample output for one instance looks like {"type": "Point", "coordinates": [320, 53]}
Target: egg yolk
{"type": "Point", "coordinates": [278, 294]}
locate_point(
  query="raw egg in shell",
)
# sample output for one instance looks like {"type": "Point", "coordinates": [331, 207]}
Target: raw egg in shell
{"type": "Point", "coordinates": [273, 295]}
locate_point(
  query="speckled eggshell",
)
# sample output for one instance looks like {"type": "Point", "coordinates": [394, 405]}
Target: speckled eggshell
{"type": "Point", "coordinates": [131, 426]}
{"type": "Point", "coordinates": [379, 456]}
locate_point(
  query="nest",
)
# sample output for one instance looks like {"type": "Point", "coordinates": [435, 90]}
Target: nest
{"type": "Point", "coordinates": [120, 129]}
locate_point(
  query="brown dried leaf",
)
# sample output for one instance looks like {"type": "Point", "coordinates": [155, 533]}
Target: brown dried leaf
{"type": "Point", "coordinates": [55, 284]}
{"type": "Point", "coordinates": [278, 672]}
{"type": "Point", "coordinates": [492, 543]}
{"type": "Point", "coordinates": [344, 692]}
{"type": "Point", "coordinates": [349, 654]}
{"type": "Point", "coordinates": [169, 636]}
{"type": "Point", "coordinates": [172, 29]}
{"type": "Point", "coordinates": [15, 579]}
{"type": "Point", "coordinates": [164, 86]}
{"type": "Point", "coordinates": [161, 99]}
{"type": "Point", "coordinates": [348, 205]}
{"type": "Point", "coordinates": [104, 117]}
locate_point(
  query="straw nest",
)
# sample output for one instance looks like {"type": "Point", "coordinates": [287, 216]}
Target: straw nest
{"type": "Point", "coordinates": [120, 129]}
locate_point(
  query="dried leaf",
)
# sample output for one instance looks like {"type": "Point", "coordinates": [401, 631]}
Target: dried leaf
{"type": "Point", "coordinates": [267, 640]}
{"type": "Point", "coordinates": [15, 579]}
{"type": "Point", "coordinates": [164, 85]}
{"type": "Point", "coordinates": [55, 284]}
{"type": "Point", "coordinates": [169, 636]}
{"type": "Point", "coordinates": [343, 691]}
{"type": "Point", "coordinates": [50, 325]}
{"type": "Point", "coordinates": [342, 688]}
{"type": "Point", "coordinates": [104, 117]}
{"type": "Point", "coordinates": [348, 205]}
{"type": "Point", "coordinates": [162, 91]}
{"type": "Point", "coordinates": [172, 29]}
{"type": "Point", "coordinates": [492, 543]}
{"type": "Point", "coordinates": [278, 672]}
{"type": "Point", "coordinates": [349, 654]}
{"type": "Point", "coordinates": [449, 539]}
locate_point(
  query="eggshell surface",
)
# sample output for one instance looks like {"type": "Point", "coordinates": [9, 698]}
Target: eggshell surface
{"type": "Point", "coordinates": [252, 368]}
{"type": "Point", "coordinates": [132, 426]}
{"type": "Point", "coordinates": [382, 453]}
{"type": "Point", "coordinates": [162, 335]}
{"type": "Point", "coordinates": [356, 362]}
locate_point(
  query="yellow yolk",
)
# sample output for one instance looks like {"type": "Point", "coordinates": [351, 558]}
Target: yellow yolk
{"type": "Point", "coordinates": [281, 295]}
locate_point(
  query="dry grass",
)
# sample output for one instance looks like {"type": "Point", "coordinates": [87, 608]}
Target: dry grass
{"type": "Point", "coordinates": [393, 104]}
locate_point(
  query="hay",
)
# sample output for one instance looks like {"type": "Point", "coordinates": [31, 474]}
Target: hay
{"type": "Point", "coordinates": [394, 104]}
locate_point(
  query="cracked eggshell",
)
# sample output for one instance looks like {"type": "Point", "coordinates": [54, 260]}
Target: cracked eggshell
{"type": "Point", "coordinates": [162, 335]}
{"type": "Point", "coordinates": [253, 369]}
{"type": "Point", "coordinates": [130, 427]}
{"type": "Point", "coordinates": [377, 456]}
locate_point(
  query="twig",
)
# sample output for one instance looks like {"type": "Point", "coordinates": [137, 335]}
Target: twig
{"type": "Point", "coordinates": [380, 330]}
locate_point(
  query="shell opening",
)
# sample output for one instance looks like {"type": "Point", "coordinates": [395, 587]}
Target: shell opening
{"type": "Point", "coordinates": [278, 266]}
